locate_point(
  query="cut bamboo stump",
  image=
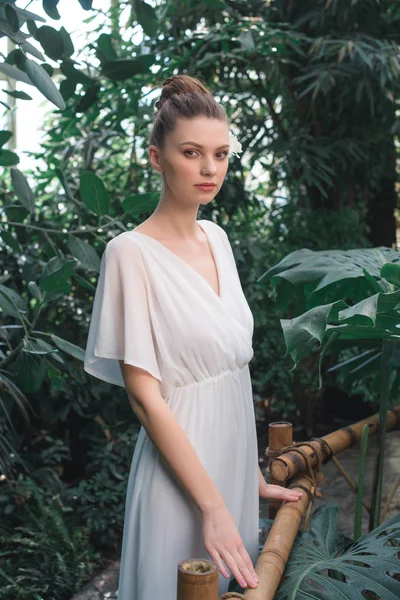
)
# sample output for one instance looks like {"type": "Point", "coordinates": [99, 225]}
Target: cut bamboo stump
{"type": "Point", "coordinates": [280, 434]}
{"type": "Point", "coordinates": [291, 463]}
{"type": "Point", "coordinates": [197, 580]}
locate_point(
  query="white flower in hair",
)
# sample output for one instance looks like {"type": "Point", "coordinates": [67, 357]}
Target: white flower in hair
{"type": "Point", "coordinates": [234, 145]}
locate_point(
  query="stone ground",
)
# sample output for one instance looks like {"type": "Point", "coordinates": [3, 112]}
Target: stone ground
{"type": "Point", "coordinates": [335, 489]}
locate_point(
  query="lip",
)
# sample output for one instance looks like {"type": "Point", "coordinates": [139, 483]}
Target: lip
{"type": "Point", "coordinates": [208, 186]}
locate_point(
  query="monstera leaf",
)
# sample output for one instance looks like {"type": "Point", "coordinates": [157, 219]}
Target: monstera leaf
{"type": "Point", "coordinates": [324, 565]}
{"type": "Point", "coordinates": [341, 298]}
{"type": "Point", "coordinates": [307, 278]}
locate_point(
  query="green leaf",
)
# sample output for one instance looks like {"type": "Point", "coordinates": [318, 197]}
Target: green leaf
{"type": "Point", "coordinates": [53, 14]}
{"type": "Point", "coordinates": [16, 57]}
{"type": "Point", "coordinates": [85, 253]}
{"type": "Point", "coordinates": [69, 348]}
{"type": "Point", "coordinates": [48, 68]}
{"type": "Point", "coordinates": [105, 50]}
{"type": "Point", "coordinates": [26, 14]}
{"type": "Point", "coordinates": [10, 240]}
{"type": "Point", "coordinates": [5, 136]}
{"type": "Point", "coordinates": [90, 97]}
{"type": "Point", "coordinates": [11, 302]}
{"type": "Point", "coordinates": [12, 17]}
{"type": "Point", "coordinates": [362, 313]}
{"type": "Point", "coordinates": [140, 203]}
{"type": "Point", "coordinates": [19, 95]}
{"type": "Point", "coordinates": [391, 272]}
{"type": "Point", "coordinates": [67, 42]}
{"type": "Point", "coordinates": [22, 189]}
{"type": "Point", "coordinates": [331, 272]}
{"type": "Point", "coordinates": [51, 41]}
{"type": "Point", "coordinates": [8, 158]}
{"type": "Point", "coordinates": [32, 27]}
{"type": "Point", "coordinates": [41, 79]}
{"type": "Point", "coordinates": [16, 36]}
{"type": "Point", "coordinates": [50, 4]}
{"type": "Point", "coordinates": [123, 68]}
{"type": "Point", "coordinates": [86, 4]}
{"type": "Point", "coordinates": [86, 284]}
{"type": "Point", "coordinates": [50, 8]}
{"type": "Point", "coordinates": [15, 73]}
{"type": "Point", "coordinates": [93, 193]}
{"type": "Point", "coordinates": [147, 17]}
{"type": "Point", "coordinates": [35, 290]}
{"type": "Point", "coordinates": [38, 346]}
{"type": "Point", "coordinates": [56, 275]}
{"type": "Point", "coordinates": [68, 69]}
{"type": "Point", "coordinates": [306, 332]}
{"type": "Point", "coordinates": [16, 213]}
{"type": "Point", "coordinates": [30, 49]}
{"type": "Point", "coordinates": [55, 376]}
{"type": "Point", "coordinates": [30, 372]}
{"type": "Point", "coordinates": [67, 88]}
{"type": "Point", "coordinates": [325, 565]}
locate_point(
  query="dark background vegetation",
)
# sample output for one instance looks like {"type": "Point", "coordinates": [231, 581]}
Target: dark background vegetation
{"type": "Point", "coordinates": [312, 91]}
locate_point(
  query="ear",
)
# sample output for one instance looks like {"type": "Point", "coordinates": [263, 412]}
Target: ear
{"type": "Point", "coordinates": [154, 158]}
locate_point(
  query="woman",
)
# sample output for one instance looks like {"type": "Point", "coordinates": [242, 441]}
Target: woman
{"type": "Point", "coordinates": [170, 322]}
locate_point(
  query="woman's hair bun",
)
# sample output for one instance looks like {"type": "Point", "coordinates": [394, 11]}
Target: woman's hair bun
{"type": "Point", "coordinates": [182, 97]}
{"type": "Point", "coordinates": [176, 85]}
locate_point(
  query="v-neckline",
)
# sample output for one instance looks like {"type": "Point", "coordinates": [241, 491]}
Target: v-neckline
{"type": "Point", "coordinates": [213, 254]}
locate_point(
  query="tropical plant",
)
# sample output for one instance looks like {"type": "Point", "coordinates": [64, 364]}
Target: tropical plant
{"type": "Point", "coordinates": [343, 299]}
{"type": "Point", "coordinates": [46, 556]}
{"type": "Point", "coordinates": [17, 65]}
{"type": "Point", "coordinates": [325, 564]}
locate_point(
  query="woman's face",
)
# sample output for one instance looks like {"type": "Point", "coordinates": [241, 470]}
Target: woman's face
{"type": "Point", "coordinates": [195, 152]}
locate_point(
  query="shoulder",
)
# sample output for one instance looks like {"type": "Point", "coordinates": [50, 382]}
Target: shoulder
{"type": "Point", "coordinates": [121, 242]}
{"type": "Point", "coordinates": [123, 248]}
{"type": "Point", "coordinates": [216, 228]}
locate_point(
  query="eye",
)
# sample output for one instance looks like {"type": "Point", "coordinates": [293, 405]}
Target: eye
{"type": "Point", "coordinates": [188, 151]}
{"type": "Point", "coordinates": [225, 154]}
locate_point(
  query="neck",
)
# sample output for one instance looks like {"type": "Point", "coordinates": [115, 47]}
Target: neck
{"type": "Point", "coordinates": [177, 220]}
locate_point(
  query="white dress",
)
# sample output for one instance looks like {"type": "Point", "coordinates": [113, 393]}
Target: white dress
{"type": "Point", "coordinates": [155, 311]}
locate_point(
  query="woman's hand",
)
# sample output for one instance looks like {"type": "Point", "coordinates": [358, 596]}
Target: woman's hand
{"type": "Point", "coordinates": [277, 492]}
{"type": "Point", "coordinates": [223, 543]}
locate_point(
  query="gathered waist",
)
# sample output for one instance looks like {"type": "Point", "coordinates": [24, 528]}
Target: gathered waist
{"type": "Point", "coordinates": [167, 388]}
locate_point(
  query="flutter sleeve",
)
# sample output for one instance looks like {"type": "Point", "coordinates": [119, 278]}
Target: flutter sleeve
{"type": "Point", "coordinates": [121, 326]}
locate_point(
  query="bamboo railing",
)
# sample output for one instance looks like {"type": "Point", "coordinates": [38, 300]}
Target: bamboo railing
{"type": "Point", "coordinates": [198, 578]}
{"type": "Point", "coordinates": [292, 462]}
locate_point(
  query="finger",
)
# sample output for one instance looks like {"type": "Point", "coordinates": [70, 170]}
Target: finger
{"type": "Point", "coordinates": [280, 493]}
{"type": "Point", "coordinates": [292, 495]}
{"type": "Point", "coordinates": [215, 557]}
{"type": "Point", "coordinates": [246, 569]}
{"type": "Point", "coordinates": [231, 564]}
{"type": "Point", "coordinates": [248, 562]}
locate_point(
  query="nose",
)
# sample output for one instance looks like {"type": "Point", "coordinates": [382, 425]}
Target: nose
{"type": "Point", "coordinates": [208, 166]}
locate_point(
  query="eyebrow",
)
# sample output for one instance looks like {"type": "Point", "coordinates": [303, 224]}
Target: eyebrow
{"type": "Point", "coordinates": [200, 146]}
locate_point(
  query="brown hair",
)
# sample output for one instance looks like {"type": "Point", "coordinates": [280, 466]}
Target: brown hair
{"type": "Point", "coordinates": [184, 97]}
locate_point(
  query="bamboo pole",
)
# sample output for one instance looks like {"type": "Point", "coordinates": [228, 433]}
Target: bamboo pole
{"type": "Point", "coordinates": [197, 580]}
{"type": "Point", "coordinates": [291, 463]}
{"type": "Point", "coordinates": [274, 556]}
{"type": "Point", "coordinates": [280, 434]}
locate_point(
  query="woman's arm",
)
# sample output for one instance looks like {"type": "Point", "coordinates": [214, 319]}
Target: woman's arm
{"type": "Point", "coordinates": [222, 539]}
{"type": "Point", "coordinates": [169, 438]}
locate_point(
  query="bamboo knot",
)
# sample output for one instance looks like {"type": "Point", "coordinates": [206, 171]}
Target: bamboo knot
{"type": "Point", "coordinates": [296, 447]}
{"type": "Point", "coordinates": [313, 474]}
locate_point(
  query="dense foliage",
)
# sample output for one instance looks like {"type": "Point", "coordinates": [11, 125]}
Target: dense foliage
{"type": "Point", "coordinates": [311, 91]}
